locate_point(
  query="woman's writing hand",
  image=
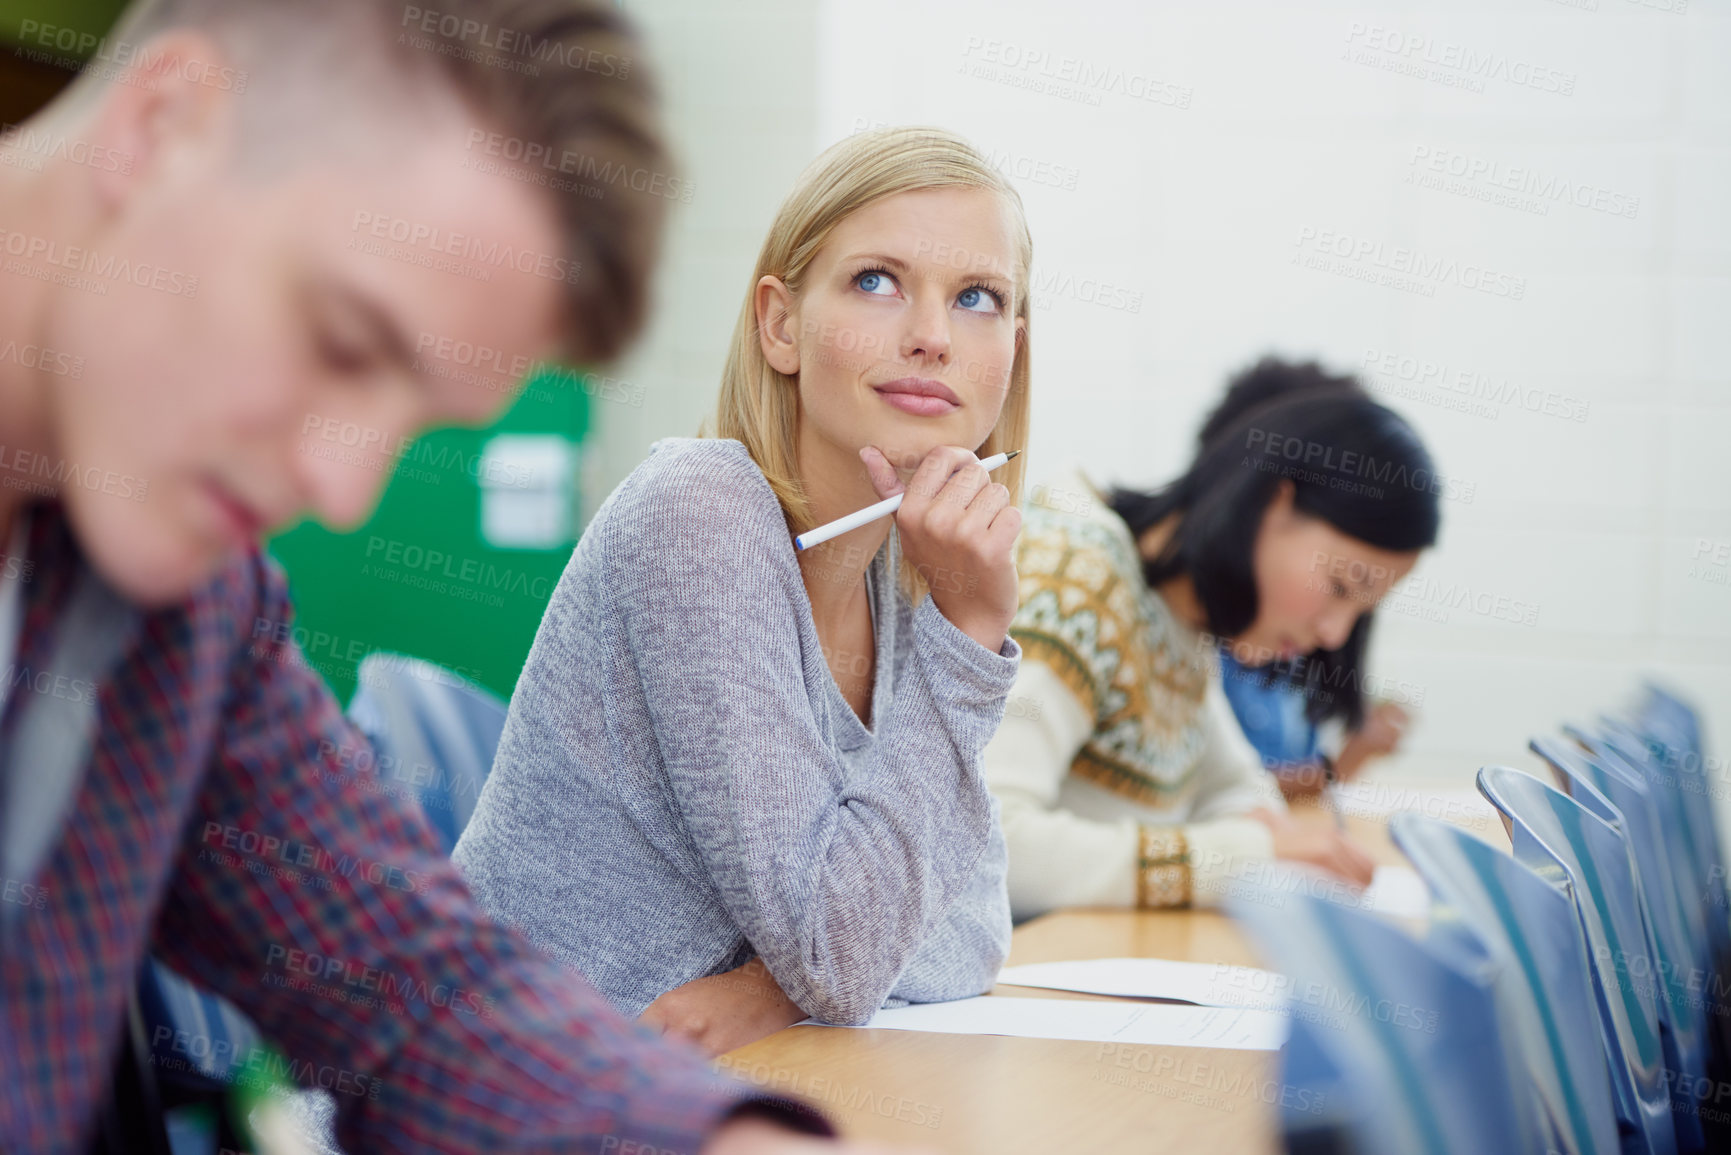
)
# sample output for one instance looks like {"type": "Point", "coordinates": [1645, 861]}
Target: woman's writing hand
{"type": "Point", "coordinates": [1317, 845]}
{"type": "Point", "coordinates": [958, 529]}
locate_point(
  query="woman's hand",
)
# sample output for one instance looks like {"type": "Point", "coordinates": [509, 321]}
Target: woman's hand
{"type": "Point", "coordinates": [1317, 845]}
{"type": "Point", "coordinates": [1301, 782]}
{"type": "Point", "coordinates": [1381, 733]}
{"type": "Point", "coordinates": [958, 529]}
{"type": "Point", "coordinates": [723, 1012]}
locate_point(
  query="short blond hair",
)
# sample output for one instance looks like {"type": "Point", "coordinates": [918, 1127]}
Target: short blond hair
{"type": "Point", "coordinates": [759, 406]}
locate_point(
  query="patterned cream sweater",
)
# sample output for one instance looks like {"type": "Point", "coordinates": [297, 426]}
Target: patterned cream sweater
{"type": "Point", "coordinates": [1123, 777]}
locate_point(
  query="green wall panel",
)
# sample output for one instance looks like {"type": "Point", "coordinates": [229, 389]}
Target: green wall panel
{"type": "Point", "coordinates": [418, 578]}
{"type": "Point", "coordinates": [95, 17]}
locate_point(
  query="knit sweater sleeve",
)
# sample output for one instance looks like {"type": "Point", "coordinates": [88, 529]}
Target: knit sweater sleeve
{"type": "Point", "coordinates": [835, 875]}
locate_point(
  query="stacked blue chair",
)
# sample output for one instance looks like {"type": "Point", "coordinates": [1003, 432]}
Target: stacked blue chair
{"type": "Point", "coordinates": [1409, 1028]}
{"type": "Point", "coordinates": [433, 733]}
{"type": "Point", "coordinates": [1545, 990]}
{"type": "Point", "coordinates": [1664, 744]}
{"type": "Point", "coordinates": [1672, 731]}
{"type": "Point", "coordinates": [1624, 753]}
{"type": "Point", "coordinates": [1569, 845]}
{"type": "Point", "coordinates": [1622, 789]}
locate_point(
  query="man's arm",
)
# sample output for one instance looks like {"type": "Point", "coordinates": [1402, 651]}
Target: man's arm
{"type": "Point", "coordinates": [326, 911]}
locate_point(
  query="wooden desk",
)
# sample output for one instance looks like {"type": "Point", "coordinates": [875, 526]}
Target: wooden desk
{"type": "Point", "coordinates": [992, 1095]}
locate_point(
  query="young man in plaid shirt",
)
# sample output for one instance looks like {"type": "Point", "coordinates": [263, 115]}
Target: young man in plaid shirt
{"type": "Point", "coordinates": [246, 223]}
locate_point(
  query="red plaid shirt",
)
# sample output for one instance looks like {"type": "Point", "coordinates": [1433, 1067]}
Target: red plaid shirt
{"type": "Point", "coordinates": [220, 825]}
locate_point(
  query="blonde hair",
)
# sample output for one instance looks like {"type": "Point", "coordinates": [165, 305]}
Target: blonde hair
{"type": "Point", "coordinates": [759, 406]}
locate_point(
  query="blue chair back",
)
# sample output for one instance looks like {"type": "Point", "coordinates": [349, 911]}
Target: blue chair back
{"type": "Point", "coordinates": [1406, 1030]}
{"type": "Point", "coordinates": [1320, 1112]}
{"type": "Point", "coordinates": [1567, 844]}
{"type": "Point", "coordinates": [198, 1041]}
{"type": "Point", "coordinates": [1696, 868]}
{"type": "Point", "coordinates": [1545, 986]}
{"type": "Point", "coordinates": [1679, 931]}
{"type": "Point", "coordinates": [1680, 784]}
{"type": "Point", "coordinates": [433, 733]}
{"type": "Point", "coordinates": [1672, 730]}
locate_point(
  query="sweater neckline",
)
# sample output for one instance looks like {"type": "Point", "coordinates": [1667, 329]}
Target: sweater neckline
{"type": "Point", "coordinates": [854, 731]}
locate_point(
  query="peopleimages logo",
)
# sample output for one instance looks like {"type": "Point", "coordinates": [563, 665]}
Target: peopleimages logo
{"type": "Point", "coordinates": [366, 980]}
{"type": "Point", "coordinates": [571, 54]}
{"type": "Point", "coordinates": [1526, 180]}
{"type": "Point", "coordinates": [1367, 259]}
{"type": "Point", "coordinates": [291, 852]}
{"type": "Point", "coordinates": [594, 171]}
{"type": "Point", "coordinates": [106, 267]}
{"type": "Point", "coordinates": [1067, 77]}
{"type": "Point", "coordinates": [102, 56]}
{"type": "Point", "coordinates": [1429, 58]}
{"type": "Point", "coordinates": [40, 145]}
{"type": "Point", "coordinates": [1341, 469]}
{"type": "Point", "coordinates": [1470, 386]}
{"type": "Point", "coordinates": [434, 243]}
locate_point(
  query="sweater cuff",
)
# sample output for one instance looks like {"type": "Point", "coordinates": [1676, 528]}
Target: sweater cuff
{"type": "Point", "coordinates": [684, 1117]}
{"type": "Point", "coordinates": [789, 1113]}
{"type": "Point", "coordinates": [1163, 872]}
{"type": "Point", "coordinates": [987, 675]}
{"type": "Point", "coordinates": [1219, 850]}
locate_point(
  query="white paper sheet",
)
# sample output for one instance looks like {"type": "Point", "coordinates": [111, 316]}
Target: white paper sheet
{"type": "Point", "coordinates": [1142, 1024]}
{"type": "Point", "coordinates": [1206, 984]}
{"type": "Point", "coordinates": [1394, 891]}
{"type": "Point", "coordinates": [1379, 798]}
{"type": "Point", "coordinates": [1398, 892]}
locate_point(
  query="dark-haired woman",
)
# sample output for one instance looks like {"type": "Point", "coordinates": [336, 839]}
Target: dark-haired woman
{"type": "Point", "coordinates": [1123, 778]}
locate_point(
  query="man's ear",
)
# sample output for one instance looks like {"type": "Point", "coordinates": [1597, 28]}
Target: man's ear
{"type": "Point", "coordinates": [166, 109]}
{"type": "Point", "coordinates": [775, 325]}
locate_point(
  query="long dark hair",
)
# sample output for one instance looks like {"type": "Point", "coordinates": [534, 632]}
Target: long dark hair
{"type": "Point", "coordinates": [1352, 463]}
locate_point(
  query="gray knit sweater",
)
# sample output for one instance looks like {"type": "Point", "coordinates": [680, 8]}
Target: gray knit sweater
{"type": "Point", "coordinates": [681, 786]}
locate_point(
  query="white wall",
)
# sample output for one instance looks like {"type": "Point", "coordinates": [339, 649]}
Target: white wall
{"type": "Point", "coordinates": [1222, 134]}
{"type": "Point", "coordinates": [739, 81]}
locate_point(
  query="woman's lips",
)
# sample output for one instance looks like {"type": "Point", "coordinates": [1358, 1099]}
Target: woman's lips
{"type": "Point", "coordinates": [920, 396]}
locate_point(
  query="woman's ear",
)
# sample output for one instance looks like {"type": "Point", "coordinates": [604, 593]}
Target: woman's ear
{"type": "Point", "coordinates": [775, 325]}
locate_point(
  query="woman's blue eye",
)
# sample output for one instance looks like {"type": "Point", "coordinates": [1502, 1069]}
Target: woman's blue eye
{"type": "Point", "coordinates": [977, 300]}
{"type": "Point", "coordinates": [876, 284]}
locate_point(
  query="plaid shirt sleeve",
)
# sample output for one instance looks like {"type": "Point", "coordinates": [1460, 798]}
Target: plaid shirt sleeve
{"type": "Point", "coordinates": [327, 912]}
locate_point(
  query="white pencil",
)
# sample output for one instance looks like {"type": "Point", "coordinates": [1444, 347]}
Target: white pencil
{"type": "Point", "coordinates": [871, 513]}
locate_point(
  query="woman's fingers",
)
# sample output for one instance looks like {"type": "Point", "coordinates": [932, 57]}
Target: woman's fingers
{"type": "Point", "coordinates": [880, 471]}
{"type": "Point", "coordinates": [958, 529]}
{"type": "Point", "coordinates": [987, 502]}
{"type": "Point", "coordinates": [941, 488]}
{"type": "Point", "coordinates": [933, 472]}
{"type": "Point", "coordinates": [1353, 864]}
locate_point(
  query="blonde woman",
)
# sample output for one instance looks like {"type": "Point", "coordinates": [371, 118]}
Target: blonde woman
{"type": "Point", "coordinates": [740, 785]}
